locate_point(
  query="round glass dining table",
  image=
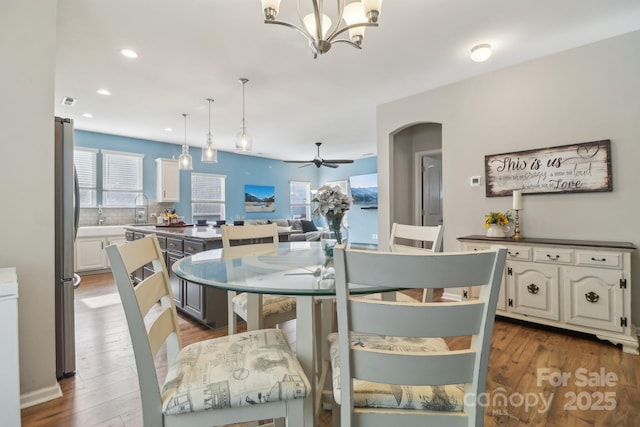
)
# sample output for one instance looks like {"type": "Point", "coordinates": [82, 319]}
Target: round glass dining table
{"type": "Point", "coordinates": [298, 269]}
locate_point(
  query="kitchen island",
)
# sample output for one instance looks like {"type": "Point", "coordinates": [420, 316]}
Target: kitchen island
{"type": "Point", "coordinates": [206, 305]}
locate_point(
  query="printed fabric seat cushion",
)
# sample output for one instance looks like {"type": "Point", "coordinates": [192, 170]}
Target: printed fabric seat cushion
{"type": "Point", "coordinates": [271, 304]}
{"type": "Point", "coordinates": [233, 371]}
{"type": "Point", "coordinates": [374, 395]}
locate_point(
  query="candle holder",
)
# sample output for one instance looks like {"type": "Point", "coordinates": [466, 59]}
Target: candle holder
{"type": "Point", "coordinates": [516, 230]}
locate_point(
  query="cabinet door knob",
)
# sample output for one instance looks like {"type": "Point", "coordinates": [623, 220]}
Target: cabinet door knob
{"type": "Point", "coordinates": [533, 289]}
{"type": "Point", "coordinates": [592, 297]}
{"type": "Point", "coordinates": [553, 258]}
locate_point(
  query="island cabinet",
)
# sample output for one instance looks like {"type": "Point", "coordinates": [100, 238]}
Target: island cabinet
{"type": "Point", "coordinates": [577, 285]}
{"type": "Point", "coordinates": [206, 305]}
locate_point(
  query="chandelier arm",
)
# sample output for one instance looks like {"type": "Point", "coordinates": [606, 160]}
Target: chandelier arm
{"type": "Point", "coordinates": [348, 27]}
{"type": "Point", "coordinates": [295, 27]}
{"type": "Point", "coordinates": [318, 9]}
{"type": "Point", "coordinates": [347, 42]}
{"type": "Point", "coordinates": [336, 27]}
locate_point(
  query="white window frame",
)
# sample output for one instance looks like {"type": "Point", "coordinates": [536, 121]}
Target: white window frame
{"type": "Point", "coordinates": [136, 188]}
{"type": "Point", "coordinates": [87, 173]}
{"type": "Point", "coordinates": [306, 204]}
{"type": "Point", "coordinates": [195, 200]}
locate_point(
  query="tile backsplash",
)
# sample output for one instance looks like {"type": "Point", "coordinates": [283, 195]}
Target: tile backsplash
{"type": "Point", "coordinates": [122, 216]}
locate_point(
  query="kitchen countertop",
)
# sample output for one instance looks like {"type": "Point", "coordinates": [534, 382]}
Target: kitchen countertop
{"type": "Point", "coordinates": [205, 233]}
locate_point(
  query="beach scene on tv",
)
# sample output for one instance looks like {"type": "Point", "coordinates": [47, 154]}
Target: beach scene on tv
{"type": "Point", "coordinates": [364, 189]}
{"type": "Point", "coordinates": [259, 198]}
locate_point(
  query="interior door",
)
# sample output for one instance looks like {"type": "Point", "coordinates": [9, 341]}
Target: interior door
{"type": "Point", "coordinates": [431, 190]}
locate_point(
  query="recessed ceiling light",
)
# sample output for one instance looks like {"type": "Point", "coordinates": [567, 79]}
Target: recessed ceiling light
{"type": "Point", "coordinates": [88, 115]}
{"type": "Point", "coordinates": [129, 53]}
{"type": "Point", "coordinates": [168, 130]}
{"type": "Point", "coordinates": [481, 52]}
{"type": "Point", "coordinates": [104, 92]}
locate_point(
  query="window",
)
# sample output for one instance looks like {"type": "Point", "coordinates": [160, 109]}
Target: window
{"type": "Point", "coordinates": [121, 178]}
{"type": "Point", "coordinates": [207, 196]}
{"type": "Point", "coordinates": [85, 160]}
{"type": "Point", "coordinates": [300, 199]}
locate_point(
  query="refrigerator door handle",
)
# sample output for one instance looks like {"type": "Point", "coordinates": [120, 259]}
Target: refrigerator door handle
{"type": "Point", "coordinates": [76, 280]}
{"type": "Point", "coordinates": [76, 203]}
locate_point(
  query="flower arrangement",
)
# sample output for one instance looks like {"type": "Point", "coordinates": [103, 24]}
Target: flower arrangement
{"type": "Point", "coordinates": [332, 203]}
{"type": "Point", "coordinates": [497, 218]}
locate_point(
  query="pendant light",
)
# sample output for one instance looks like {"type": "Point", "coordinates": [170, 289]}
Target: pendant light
{"type": "Point", "coordinates": [184, 160]}
{"type": "Point", "coordinates": [243, 139]}
{"type": "Point", "coordinates": [209, 153]}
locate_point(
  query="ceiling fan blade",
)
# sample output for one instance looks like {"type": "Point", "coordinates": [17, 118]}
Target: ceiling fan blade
{"type": "Point", "coordinates": [304, 166]}
{"type": "Point", "coordinates": [329, 165]}
{"type": "Point", "coordinates": [298, 161]}
{"type": "Point", "coordinates": [341, 161]}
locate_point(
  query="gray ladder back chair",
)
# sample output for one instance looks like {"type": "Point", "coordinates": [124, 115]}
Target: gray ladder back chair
{"type": "Point", "coordinates": [417, 239]}
{"type": "Point", "coordinates": [209, 383]}
{"type": "Point", "coordinates": [272, 309]}
{"type": "Point", "coordinates": [391, 365]}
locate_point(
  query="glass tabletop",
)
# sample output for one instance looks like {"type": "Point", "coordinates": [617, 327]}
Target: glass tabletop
{"type": "Point", "coordinates": [295, 268]}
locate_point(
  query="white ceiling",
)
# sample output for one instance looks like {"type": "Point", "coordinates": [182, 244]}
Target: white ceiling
{"type": "Point", "coordinates": [190, 50]}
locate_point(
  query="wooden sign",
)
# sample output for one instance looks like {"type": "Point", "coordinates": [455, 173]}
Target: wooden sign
{"type": "Point", "coordinates": [577, 168]}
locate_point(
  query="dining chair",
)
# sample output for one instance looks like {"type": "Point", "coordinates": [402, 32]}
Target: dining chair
{"type": "Point", "coordinates": [417, 239]}
{"type": "Point", "coordinates": [275, 309]}
{"type": "Point", "coordinates": [390, 364]}
{"type": "Point", "coordinates": [232, 379]}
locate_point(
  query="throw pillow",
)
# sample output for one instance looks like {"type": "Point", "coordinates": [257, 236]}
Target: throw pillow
{"type": "Point", "coordinates": [308, 226]}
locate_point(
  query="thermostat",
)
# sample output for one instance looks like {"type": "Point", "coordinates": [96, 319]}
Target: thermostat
{"type": "Point", "coordinates": [476, 181]}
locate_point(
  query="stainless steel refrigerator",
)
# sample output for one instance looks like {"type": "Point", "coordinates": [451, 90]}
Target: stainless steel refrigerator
{"type": "Point", "coordinates": [67, 207]}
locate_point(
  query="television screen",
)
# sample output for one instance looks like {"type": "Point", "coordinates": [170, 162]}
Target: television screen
{"type": "Point", "coordinates": [364, 189]}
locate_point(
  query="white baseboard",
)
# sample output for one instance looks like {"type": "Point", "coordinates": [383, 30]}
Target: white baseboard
{"type": "Point", "coordinates": [40, 396]}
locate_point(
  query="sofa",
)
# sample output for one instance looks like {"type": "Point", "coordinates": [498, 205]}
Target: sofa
{"type": "Point", "coordinates": [302, 230]}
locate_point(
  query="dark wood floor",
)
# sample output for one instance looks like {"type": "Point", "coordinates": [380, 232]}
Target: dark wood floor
{"type": "Point", "coordinates": [105, 393]}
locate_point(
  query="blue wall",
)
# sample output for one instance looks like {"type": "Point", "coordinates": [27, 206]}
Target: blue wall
{"type": "Point", "coordinates": [239, 170]}
{"type": "Point", "coordinates": [363, 223]}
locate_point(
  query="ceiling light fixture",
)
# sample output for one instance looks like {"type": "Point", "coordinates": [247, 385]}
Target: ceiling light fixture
{"type": "Point", "coordinates": [87, 115]}
{"type": "Point", "coordinates": [104, 92]}
{"type": "Point", "coordinates": [315, 26]}
{"type": "Point", "coordinates": [209, 153]}
{"type": "Point", "coordinates": [184, 160]}
{"type": "Point", "coordinates": [129, 53]}
{"type": "Point", "coordinates": [481, 52]}
{"type": "Point", "coordinates": [243, 139]}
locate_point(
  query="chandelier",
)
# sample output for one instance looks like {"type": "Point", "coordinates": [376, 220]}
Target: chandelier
{"type": "Point", "coordinates": [316, 26]}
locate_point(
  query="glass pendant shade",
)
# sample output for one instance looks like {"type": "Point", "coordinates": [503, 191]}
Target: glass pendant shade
{"type": "Point", "coordinates": [310, 24]}
{"type": "Point", "coordinates": [243, 139]}
{"type": "Point", "coordinates": [354, 14]}
{"type": "Point", "coordinates": [209, 152]}
{"type": "Point", "coordinates": [184, 161]}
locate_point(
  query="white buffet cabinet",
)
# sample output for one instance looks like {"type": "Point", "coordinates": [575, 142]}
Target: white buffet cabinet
{"type": "Point", "coordinates": [90, 243]}
{"type": "Point", "coordinates": [578, 285]}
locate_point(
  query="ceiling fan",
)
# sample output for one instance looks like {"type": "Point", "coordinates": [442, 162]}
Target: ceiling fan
{"type": "Point", "coordinates": [319, 161]}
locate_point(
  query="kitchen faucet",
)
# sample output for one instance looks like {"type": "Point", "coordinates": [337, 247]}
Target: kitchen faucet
{"type": "Point", "coordinates": [101, 220]}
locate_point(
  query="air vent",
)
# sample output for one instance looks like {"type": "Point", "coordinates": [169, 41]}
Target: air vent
{"type": "Point", "coordinates": [68, 101]}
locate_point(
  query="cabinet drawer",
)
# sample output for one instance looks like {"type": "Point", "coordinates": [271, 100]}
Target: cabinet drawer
{"type": "Point", "coordinates": [191, 247]}
{"type": "Point", "coordinates": [174, 245]}
{"type": "Point", "coordinates": [553, 256]}
{"type": "Point", "coordinates": [476, 247]}
{"type": "Point", "coordinates": [137, 235]}
{"type": "Point", "coordinates": [520, 253]}
{"type": "Point", "coordinates": [162, 241]}
{"type": "Point", "coordinates": [599, 259]}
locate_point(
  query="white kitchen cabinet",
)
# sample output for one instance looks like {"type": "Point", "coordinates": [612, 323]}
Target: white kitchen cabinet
{"type": "Point", "coordinates": [577, 285]}
{"type": "Point", "coordinates": [90, 243]}
{"type": "Point", "coordinates": [167, 180]}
